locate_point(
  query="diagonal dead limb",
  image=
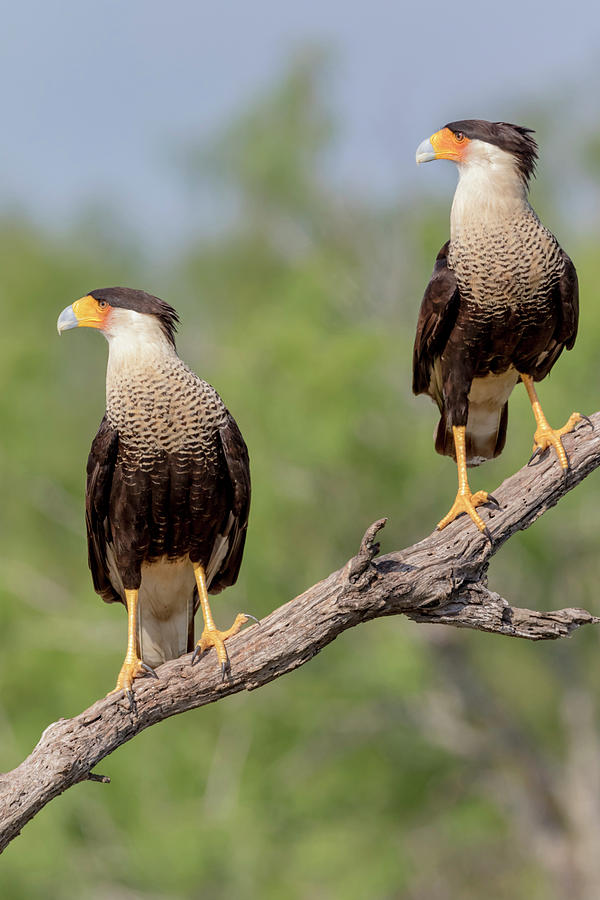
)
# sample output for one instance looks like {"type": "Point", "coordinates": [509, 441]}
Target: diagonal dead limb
{"type": "Point", "coordinates": [442, 579]}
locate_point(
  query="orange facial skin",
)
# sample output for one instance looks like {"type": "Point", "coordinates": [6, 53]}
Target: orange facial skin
{"type": "Point", "coordinates": [91, 313]}
{"type": "Point", "coordinates": [448, 145]}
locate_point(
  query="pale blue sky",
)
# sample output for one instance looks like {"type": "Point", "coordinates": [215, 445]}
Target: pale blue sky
{"type": "Point", "coordinates": [95, 95]}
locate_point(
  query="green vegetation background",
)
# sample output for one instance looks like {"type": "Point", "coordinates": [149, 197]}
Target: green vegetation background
{"type": "Point", "coordinates": [405, 761]}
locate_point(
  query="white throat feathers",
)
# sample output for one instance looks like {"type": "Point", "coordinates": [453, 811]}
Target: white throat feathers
{"type": "Point", "coordinates": [136, 342]}
{"type": "Point", "coordinates": [490, 188]}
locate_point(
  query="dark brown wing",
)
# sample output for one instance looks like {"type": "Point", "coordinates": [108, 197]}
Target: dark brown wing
{"type": "Point", "coordinates": [437, 317]}
{"type": "Point", "coordinates": [568, 295]}
{"type": "Point", "coordinates": [566, 299]}
{"type": "Point", "coordinates": [100, 470]}
{"type": "Point", "coordinates": [238, 469]}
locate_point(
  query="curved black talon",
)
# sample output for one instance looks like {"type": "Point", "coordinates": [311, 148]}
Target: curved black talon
{"type": "Point", "coordinates": [196, 653]}
{"type": "Point", "coordinates": [492, 499]}
{"type": "Point", "coordinates": [149, 670]}
{"type": "Point", "coordinates": [535, 453]}
{"type": "Point", "coordinates": [254, 619]}
{"type": "Point", "coordinates": [488, 535]}
{"type": "Point", "coordinates": [225, 669]}
{"type": "Point", "coordinates": [130, 696]}
{"type": "Point", "coordinates": [588, 421]}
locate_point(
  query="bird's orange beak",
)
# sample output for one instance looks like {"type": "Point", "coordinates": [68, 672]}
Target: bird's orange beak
{"type": "Point", "coordinates": [85, 312]}
{"type": "Point", "coordinates": [443, 144]}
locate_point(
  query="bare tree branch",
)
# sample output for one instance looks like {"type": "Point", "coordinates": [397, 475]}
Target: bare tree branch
{"type": "Point", "coordinates": [442, 579]}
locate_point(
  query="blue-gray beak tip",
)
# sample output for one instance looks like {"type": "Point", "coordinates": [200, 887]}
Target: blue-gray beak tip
{"type": "Point", "coordinates": [425, 152]}
{"type": "Point", "coordinates": [66, 320]}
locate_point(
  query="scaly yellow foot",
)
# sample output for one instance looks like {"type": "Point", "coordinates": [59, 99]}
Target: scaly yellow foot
{"type": "Point", "coordinates": [131, 668]}
{"type": "Point", "coordinates": [132, 664]}
{"type": "Point", "coordinates": [545, 437]}
{"type": "Point", "coordinates": [212, 637]}
{"type": "Point", "coordinates": [466, 502]}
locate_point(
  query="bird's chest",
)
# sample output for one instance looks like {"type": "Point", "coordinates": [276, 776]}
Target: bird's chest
{"type": "Point", "coordinates": [162, 413]}
{"type": "Point", "coordinates": [505, 265]}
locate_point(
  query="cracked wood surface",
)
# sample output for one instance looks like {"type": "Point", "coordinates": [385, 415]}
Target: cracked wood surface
{"type": "Point", "coordinates": [442, 579]}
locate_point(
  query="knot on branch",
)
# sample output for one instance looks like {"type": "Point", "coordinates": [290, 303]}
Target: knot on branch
{"type": "Point", "coordinates": [361, 564]}
{"type": "Point", "coordinates": [360, 573]}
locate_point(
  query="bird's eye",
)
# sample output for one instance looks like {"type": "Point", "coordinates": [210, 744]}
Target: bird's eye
{"type": "Point", "coordinates": [459, 136]}
{"type": "Point", "coordinates": [102, 304]}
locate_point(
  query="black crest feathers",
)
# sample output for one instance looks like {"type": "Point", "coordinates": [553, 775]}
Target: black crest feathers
{"type": "Point", "coordinates": [514, 139]}
{"type": "Point", "coordinates": [140, 301]}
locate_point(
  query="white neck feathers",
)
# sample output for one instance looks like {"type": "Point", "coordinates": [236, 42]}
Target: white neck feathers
{"type": "Point", "coordinates": [136, 342]}
{"type": "Point", "coordinates": [490, 188]}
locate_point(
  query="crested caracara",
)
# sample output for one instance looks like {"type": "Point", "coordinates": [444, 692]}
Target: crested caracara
{"type": "Point", "coordinates": [501, 305]}
{"type": "Point", "coordinates": [168, 484]}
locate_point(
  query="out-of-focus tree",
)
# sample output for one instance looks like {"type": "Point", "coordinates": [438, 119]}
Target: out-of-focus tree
{"type": "Point", "coordinates": [405, 761]}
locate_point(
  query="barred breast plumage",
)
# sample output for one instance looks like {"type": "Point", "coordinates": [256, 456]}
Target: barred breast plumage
{"type": "Point", "coordinates": [512, 261]}
{"type": "Point", "coordinates": [164, 407]}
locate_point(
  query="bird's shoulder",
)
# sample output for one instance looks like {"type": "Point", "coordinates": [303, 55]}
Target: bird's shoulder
{"type": "Point", "coordinates": [196, 388]}
{"type": "Point", "coordinates": [100, 474]}
{"type": "Point", "coordinates": [238, 465]}
{"type": "Point", "coordinates": [104, 449]}
{"type": "Point", "coordinates": [437, 317]}
{"type": "Point", "coordinates": [568, 294]}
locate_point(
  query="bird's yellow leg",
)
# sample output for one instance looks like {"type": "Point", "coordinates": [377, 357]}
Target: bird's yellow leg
{"type": "Point", "coordinates": [465, 502]}
{"type": "Point", "coordinates": [132, 664]}
{"type": "Point", "coordinates": [545, 436]}
{"type": "Point", "coordinates": [211, 636]}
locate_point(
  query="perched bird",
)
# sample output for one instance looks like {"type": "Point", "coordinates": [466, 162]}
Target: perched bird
{"type": "Point", "coordinates": [168, 485]}
{"type": "Point", "coordinates": [501, 305]}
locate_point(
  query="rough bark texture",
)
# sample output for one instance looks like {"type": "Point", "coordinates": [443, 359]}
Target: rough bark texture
{"type": "Point", "coordinates": [442, 579]}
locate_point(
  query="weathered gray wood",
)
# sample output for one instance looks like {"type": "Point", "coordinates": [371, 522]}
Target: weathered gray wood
{"type": "Point", "coordinates": [442, 579]}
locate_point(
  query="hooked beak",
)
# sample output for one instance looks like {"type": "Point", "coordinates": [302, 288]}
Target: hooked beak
{"type": "Point", "coordinates": [84, 312]}
{"type": "Point", "coordinates": [444, 144]}
{"type": "Point", "coordinates": [66, 320]}
{"type": "Point", "coordinates": [425, 152]}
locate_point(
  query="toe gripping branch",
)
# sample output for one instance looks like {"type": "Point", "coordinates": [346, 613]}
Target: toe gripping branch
{"type": "Point", "coordinates": [545, 436]}
{"type": "Point", "coordinates": [132, 664]}
{"type": "Point", "coordinates": [466, 501]}
{"type": "Point", "coordinates": [211, 636]}
{"type": "Point", "coordinates": [540, 451]}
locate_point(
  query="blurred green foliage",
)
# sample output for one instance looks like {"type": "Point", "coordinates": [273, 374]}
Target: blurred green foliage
{"type": "Point", "coordinates": [405, 761]}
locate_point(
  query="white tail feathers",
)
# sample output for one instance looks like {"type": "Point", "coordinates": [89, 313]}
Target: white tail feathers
{"type": "Point", "coordinates": [487, 421]}
{"type": "Point", "coordinates": [486, 433]}
{"type": "Point", "coordinates": [166, 610]}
